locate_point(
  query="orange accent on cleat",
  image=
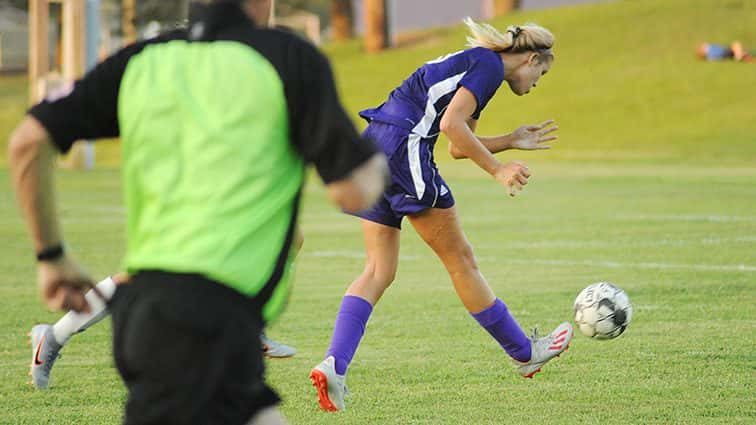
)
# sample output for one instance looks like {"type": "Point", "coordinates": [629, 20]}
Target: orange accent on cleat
{"type": "Point", "coordinates": [532, 374]}
{"type": "Point", "coordinates": [320, 382]}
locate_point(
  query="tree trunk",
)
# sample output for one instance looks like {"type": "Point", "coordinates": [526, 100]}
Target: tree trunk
{"type": "Point", "coordinates": [342, 22]}
{"type": "Point", "coordinates": [376, 38]}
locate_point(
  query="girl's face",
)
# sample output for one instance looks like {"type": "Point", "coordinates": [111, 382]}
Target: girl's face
{"type": "Point", "coordinates": [526, 75]}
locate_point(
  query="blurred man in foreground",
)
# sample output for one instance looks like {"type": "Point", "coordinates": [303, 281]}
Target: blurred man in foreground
{"type": "Point", "coordinates": [217, 124]}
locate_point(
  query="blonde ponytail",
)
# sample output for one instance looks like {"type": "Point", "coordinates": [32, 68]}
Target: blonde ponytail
{"type": "Point", "coordinates": [516, 39]}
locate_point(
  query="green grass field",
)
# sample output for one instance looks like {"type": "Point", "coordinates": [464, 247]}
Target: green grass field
{"type": "Point", "coordinates": [679, 239]}
{"type": "Point", "coordinates": [652, 186]}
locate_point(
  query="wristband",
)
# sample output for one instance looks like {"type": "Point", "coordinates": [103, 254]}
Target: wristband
{"type": "Point", "coordinates": [52, 253]}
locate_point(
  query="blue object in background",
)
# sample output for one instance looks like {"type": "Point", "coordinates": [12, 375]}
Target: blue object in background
{"type": "Point", "coordinates": [93, 33]}
{"type": "Point", "coordinates": [716, 52]}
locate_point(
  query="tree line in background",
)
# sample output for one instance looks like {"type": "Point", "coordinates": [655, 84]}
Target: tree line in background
{"type": "Point", "coordinates": [21, 4]}
{"type": "Point", "coordinates": [338, 14]}
{"type": "Point", "coordinates": [167, 10]}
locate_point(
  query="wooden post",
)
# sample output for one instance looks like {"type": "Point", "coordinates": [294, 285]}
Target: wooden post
{"type": "Point", "coordinates": [503, 7]}
{"type": "Point", "coordinates": [376, 38]}
{"type": "Point", "coordinates": [73, 57]}
{"type": "Point", "coordinates": [74, 62]}
{"type": "Point", "coordinates": [272, 18]}
{"type": "Point", "coordinates": [39, 48]}
{"type": "Point", "coordinates": [74, 39]}
{"type": "Point", "coordinates": [128, 14]}
{"type": "Point", "coordinates": [342, 20]}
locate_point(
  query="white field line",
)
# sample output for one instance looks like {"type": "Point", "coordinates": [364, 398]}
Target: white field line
{"type": "Point", "coordinates": [617, 265]}
{"type": "Point", "coordinates": [689, 217]}
{"type": "Point", "coordinates": [359, 255]}
{"type": "Point", "coordinates": [617, 244]}
{"type": "Point", "coordinates": [338, 216]}
{"type": "Point", "coordinates": [573, 244]}
{"type": "Point", "coordinates": [541, 262]}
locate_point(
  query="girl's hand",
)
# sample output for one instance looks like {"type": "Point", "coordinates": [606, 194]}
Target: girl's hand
{"type": "Point", "coordinates": [532, 137]}
{"type": "Point", "coordinates": [513, 176]}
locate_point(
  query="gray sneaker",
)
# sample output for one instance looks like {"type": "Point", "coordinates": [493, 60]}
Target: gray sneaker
{"type": "Point", "coordinates": [45, 350]}
{"type": "Point", "coordinates": [545, 349]}
{"type": "Point", "coordinates": [331, 386]}
{"type": "Point", "coordinates": [276, 350]}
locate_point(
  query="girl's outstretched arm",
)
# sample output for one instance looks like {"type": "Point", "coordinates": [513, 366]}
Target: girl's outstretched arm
{"type": "Point", "coordinates": [513, 175]}
{"type": "Point", "coordinates": [527, 137]}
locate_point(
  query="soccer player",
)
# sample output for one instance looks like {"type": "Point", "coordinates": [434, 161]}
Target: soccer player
{"type": "Point", "coordinates": [217, 124]}
{"type": "Point", "coordinates": [48, 340]}
{"type": "Point", "coordinates": [445, 95]}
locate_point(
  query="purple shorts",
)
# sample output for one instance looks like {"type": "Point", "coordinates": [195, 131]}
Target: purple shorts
{"type": "Point", "coordinates": [416, 184]}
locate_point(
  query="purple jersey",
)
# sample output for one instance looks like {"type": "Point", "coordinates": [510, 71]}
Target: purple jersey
{"type": "Point", "coordinates": [419, 103]}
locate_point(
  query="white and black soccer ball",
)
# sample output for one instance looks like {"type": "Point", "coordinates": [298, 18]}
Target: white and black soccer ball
{"type": "Point", "coordinates": [602, 311]}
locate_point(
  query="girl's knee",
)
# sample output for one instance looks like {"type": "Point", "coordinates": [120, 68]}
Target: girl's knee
{"type": "Point", "coordinates": [379, 275]}
{"type": "Point", "coordinates": [461, 259]}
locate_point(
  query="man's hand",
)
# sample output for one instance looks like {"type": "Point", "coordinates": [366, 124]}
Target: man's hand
{"type": "Point", "coordinates": [63, 284]}
{"type": "Point", "coordinates": [513, 176]}
{"type": "Point", "coordinates": [532, 137]}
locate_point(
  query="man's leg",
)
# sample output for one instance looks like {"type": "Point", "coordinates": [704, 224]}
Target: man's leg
{"type": "Point", "coordinates": [181, 367]}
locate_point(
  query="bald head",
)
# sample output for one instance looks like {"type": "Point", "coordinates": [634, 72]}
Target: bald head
{"type": "Point", "coordinates": [260, 11]}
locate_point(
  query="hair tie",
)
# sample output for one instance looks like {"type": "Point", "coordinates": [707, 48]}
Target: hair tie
{"type": "Point", "coordinates": [515, 32]}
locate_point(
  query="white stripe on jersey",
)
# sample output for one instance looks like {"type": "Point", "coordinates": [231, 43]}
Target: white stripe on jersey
{"type": "Point", "coordinates": [436, 92]}
{"type": "Point", "coordinates": [413, 153]}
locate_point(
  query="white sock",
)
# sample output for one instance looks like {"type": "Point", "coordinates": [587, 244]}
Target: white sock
{"type": "Point", "coordinates": [73, 322]}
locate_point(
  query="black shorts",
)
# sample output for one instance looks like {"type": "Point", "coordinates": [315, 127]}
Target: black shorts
{"type": "Point", "coordinates": [188, 350]}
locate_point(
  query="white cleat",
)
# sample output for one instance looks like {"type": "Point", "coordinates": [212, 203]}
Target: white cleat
{"type": "Point", "coordinates": [331, 386]}
{"type": "Point", "coordinates": [45, 350]}
{"type": "Point", "coordinates": [276, 350]}
{"type": "Point", "coordinates": [545, 348]}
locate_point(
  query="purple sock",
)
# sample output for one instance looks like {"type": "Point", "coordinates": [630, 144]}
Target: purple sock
{"type": "Point", "coordinates": [347, 333]}
{"type": "Point", "coordinates": [505, 330]}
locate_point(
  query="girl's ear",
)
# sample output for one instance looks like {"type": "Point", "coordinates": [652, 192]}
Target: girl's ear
{"type": "Point", "coordinates": [533, 59]}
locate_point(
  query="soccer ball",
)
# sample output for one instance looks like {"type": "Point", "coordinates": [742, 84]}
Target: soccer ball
{"type": "Point", "coordinates": [602, 311]}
